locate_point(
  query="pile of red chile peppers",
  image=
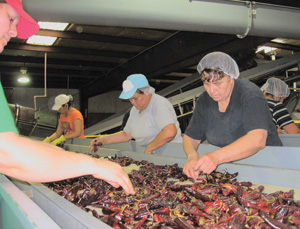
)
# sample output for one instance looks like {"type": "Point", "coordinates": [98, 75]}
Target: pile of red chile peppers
{"type": "Point", "coordinates": [217, 201]}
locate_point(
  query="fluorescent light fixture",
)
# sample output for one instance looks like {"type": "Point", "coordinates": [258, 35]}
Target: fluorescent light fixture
{"type": "Point", "coordinates": [53, 25]}
{"type": "Point", "coordinates": [23, 79]}
{"type": "Point", "coordinates": [266, 49]}
{"type": "Point", "coordinates": [279, 40]}
{"type": "Point", "coordinates": [41, 40]}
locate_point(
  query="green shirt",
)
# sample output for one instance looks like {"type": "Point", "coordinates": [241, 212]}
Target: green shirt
{"type": "Point", "coordinates": [6, 118]}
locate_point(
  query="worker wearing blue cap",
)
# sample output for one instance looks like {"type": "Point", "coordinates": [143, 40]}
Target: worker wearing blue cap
{"type": "Point", "coordinates": [152, 121]}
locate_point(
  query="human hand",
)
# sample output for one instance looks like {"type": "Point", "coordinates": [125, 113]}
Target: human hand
{"type": "Point", "coordinates": [148, 151]}
{"type": "Point", "coordinates": [47, 139]}
{"type": "Point", "coordinates": [58, 140]}
{"type": "Point", "coordinates": [96, 144]}
{"type": "Point", "coordinates": [207, 163]}
{"type": "Point", "coordinates": [280, 131]}
{"type": "Point", "coordinates": [113, 174]}
{"type": "Point", "coordinates": [189, 167]}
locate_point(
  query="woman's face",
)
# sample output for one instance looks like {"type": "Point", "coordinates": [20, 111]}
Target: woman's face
{"type": "Point", "coordinates": [139, 101]}
{"type": "Point", "coordinates": [9, 19]}
{"type": "Point", "coordinates": [219, 90]}
{"type": "Point", "coordinates": [63, 109]}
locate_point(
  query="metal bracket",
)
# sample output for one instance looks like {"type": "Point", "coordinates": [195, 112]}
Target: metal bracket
{"type": "Point", "coordinates": [251, 15]}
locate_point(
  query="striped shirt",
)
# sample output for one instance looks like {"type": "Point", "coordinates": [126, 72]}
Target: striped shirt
{"type": "Point", "coordinates": [280, 115]}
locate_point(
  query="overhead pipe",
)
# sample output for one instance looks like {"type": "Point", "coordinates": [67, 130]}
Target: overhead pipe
{"type": "Point", "coordinates": [45, 83]}
{"type": "Point", "coordinates": [37, 115]}
{"type": "Point", "coordinates": [215, 16]}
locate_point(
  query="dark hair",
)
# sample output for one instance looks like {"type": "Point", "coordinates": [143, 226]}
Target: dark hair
{"type": "Point", "coordinates": [70, 103]}
{"type": "Point", "coordinates": [140, 91]}
{"type": "Point", "coordinates": [213, 75]}
{"type": "Point", "coordinates": [268, 94]}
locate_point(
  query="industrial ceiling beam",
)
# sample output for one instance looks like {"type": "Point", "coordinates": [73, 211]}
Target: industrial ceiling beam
{"type": "Point", "coordinates": [96, 37]}
{"type": "Point", "coordinates": [53, 61]}
{"type": "Point", "coordinates": [54, 49]}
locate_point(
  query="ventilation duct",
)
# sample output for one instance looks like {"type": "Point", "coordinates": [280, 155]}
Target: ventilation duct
{"type": "Point", "coordinates": [227, 17]}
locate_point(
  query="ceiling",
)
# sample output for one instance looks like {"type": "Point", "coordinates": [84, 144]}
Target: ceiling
{"type": "Point", "coordinates": [88, 56]}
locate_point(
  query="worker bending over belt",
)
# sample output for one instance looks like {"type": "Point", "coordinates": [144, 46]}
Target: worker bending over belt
{"type": "Point", "coordinates": [152, 121]}
{"type": "Point", "coordinates": [232, 114]}
{"type": "Point", "coordinates": [276, 91]}
{"type": "Point", "coordinates": [70, 121]}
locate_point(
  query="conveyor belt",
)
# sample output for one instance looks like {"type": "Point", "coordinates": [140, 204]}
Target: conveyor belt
{"type": "Point", "coordinates": [67, 215]}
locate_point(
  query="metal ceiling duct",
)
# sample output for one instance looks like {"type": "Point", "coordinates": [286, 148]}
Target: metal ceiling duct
{"type": "Point", "coordinates": [227, 17]}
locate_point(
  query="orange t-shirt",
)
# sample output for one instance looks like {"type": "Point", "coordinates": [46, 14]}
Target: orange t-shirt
{"type": "Point", "coordinates": [68, 122]}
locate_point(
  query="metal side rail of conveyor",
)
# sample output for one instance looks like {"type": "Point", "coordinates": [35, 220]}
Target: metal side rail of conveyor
{"type": "Point", "coordinates": [17, 210]}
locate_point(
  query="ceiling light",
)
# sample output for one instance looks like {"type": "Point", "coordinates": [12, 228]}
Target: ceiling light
{"type": "Point", "coordinates": [23, 79]}
{"type": "Point", "coordinates": [266, 49]}
{"type": "Point", "coordinates": [41, 40]}
{"type": "Point", "coordinates": [59, 26]}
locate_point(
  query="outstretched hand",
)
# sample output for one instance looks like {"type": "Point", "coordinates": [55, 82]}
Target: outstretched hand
{"type": "Point", "coordinates": [113, 174]}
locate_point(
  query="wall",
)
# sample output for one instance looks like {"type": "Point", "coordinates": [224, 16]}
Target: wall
{"type": "Point", "coordinates": [25, 97]}
{"type": "Point", "coordinates": [108, 103]}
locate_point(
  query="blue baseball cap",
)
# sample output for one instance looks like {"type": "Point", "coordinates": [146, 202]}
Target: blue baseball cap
{"type": "Point", "coordinates": [131, 84]}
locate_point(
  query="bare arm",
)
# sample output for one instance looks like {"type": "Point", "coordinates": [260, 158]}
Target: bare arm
{"type": "Point", "coordinates": [77, 130]}
{"type": "Point", "coordinates": [166, 135]}
{"type": "Point", "coordinates": [35, 161]}
{"type": "Point", "coordinates": [190, 147]}
{"type": "Point", "coordinates": [291, 128]}
{"type": "Point", "coordinates": [118, 137]}
{"type": "Point", "coordinates": [57, 133]}
{"type": "Point", "coordinates": [245, 146]}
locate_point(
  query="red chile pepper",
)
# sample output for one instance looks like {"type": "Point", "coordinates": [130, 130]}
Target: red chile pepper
{"type": "Point", "coordinates": [140, 223]}
{"type": "Point", "coordinates": [158, 218]}
{"type": "Point", "coordinates": [163, 211]}
{"type": "Point", "coordinates": [116, 226]}
{"type": "Point", "coordinates": [259, 203]}
{"type": "Point", "coordinates": [197, 194]}
{"type": "Point", "coordinates": [272, 222]}
{"type": "Point", "coordinates": [218, 204]}
{"type": "Point", "coordinates": [183, 223]}
{"type": "Point", "coordinates": [295, 219]}
{"type": "Point", "coordinates": [238, 221]}
{"type": "Point", "coordinates": [156, 195]}
{"type": "Point", "coordinates": [230, 187]}
{"type": "Point", "coordinates": [115, 209]}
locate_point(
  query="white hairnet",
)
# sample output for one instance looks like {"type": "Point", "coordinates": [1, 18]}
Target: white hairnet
{"type": "Point", "coordinates": [219, 60]}
{"type": "Point", "coordinates": [276, 87]}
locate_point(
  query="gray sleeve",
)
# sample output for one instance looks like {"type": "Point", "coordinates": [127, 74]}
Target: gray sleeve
{"type": "Point", "coordinates": [164, 114]}
{"type": "Point", "coordinates": [127, 127]}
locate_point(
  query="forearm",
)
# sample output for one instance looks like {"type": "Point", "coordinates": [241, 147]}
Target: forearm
{"type": "Point", "coordinates": [35, 161]}
{"type": "Point", "coordinates": [116, 138]}
{"type": "Point", "coordinates": [165, 136]}
{"type": "Point", "coordinates": [242, 148]}
{"type": "Point", "coordinates": [72, 135]}
{"type": "Point", "coordinates": [291, 128]}
{"type": "Point", "coordinates": [53, 136]}
{"type": "Point", "coordinates": [190, 147]}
